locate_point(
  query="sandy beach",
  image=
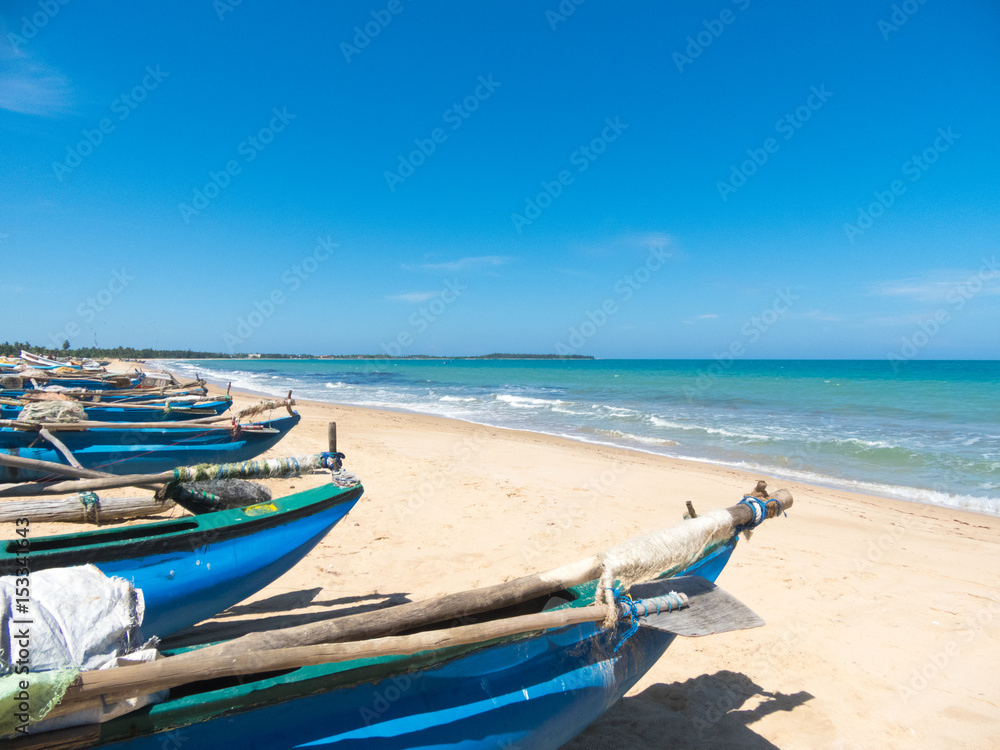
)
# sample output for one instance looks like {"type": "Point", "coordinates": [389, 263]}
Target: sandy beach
{"type": "Point", "coordinates": [883, 617]}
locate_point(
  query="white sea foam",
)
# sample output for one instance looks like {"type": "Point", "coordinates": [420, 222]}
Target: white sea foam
{"type": "Point", "coordinates": [617, 411]}
{"type": "Point", "coordinates": [660, 422]}
{"type": "Point", "coordinates": [527, 402]}
{"type": "Point", "coordinates": [636, 438]}
{"type": "Point", "coordinates": [724, 433]}
{"type": "Point", "coordinates": [933, 497]}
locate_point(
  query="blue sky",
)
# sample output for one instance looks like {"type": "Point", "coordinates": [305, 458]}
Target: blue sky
{"type": "Point", "coordinates": [768, 179]}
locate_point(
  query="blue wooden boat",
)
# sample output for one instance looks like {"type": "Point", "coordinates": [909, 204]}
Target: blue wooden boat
{"type": "Point", "coordinates": [192, 568]}
{"type": "Point", "coordinates": [147, 412]}
{"type": "Point", "coordinates": [143, 451]}
{"type": "Point", "coordinates": [111, 382]}
{"type": "Point", "coordinates": [131, 395]}
{"type": "Point", "coordinates": [536, 690]}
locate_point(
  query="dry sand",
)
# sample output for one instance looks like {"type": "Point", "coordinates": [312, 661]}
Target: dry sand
{"type": "Point", "coordinates": [883, 617]}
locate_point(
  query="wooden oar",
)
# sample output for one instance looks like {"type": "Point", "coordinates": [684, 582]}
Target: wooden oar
{"type": "Point", "coordinates": [413, 615]}
{"type": "Point", "coordinates": [92, 480]}
{"type": "Point", "coordinates": [26, 426]}
{"type": "Point", "coordinates": [242, 656]}
{"type": "Point", "coordinates": [60, 446]}
{"type": "Point", "coordinates": [151, 392]}
{"type": "Point", "coordinates": [194, 407]}
{"type": "Point", "coordinates": [18, 462]}
{"type": "Point", "coordinates": [105, 686]}
{"type": "Point", "coordinates": [208, 422]}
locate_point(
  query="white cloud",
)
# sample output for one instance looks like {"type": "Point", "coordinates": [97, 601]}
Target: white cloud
{"type": "Point", "coordinates": [414, 296]}
{"type": "Point", "coordinates": [467, 264]}
{"type": "Point", "coordinates": [821, 316]}
{"type": "Point", "coordinates": [656, 239]}
{"type": "Point", "coordinates": [937, 286]}
{"type": "Point", "coordinates": [29, 87]}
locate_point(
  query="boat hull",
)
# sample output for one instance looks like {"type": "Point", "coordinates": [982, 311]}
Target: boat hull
{"type": "Point", "coordinates": [535, 692]}
{"type": "Point", "coordinates": [190, 569]}
{"type": "Point", "coordinates": [110, 396]}
{"type": "Point", "coordinates": [151, 413]}
{"type": "Point", "coordinates": [147, 451]}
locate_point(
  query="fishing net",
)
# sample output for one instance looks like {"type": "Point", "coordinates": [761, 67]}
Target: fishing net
{"type": "Point", "coordinates": [207, 478]}
{"type": "Point", "coordinates": [52, 411]}
{"type": "Point", "coordinates": [259, 468]}
{"type": "Point", "coordinates": [181, 400]}
{"type": "Point", "coordinates": [262, 407]}
{"type": "Point", "coordinates": [344, 478]}
{"type": "Point", "coordinates": [219, 494]}
{"type": "Point", "coordinates": [12, 382]}
{"type": "Point", "coordinates": [55, 393]}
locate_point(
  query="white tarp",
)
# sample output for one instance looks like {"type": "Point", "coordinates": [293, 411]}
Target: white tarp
{"type": "Point", "coordinates": [57, 623]}
{"type": "Point", "coordinates": [77, 617]}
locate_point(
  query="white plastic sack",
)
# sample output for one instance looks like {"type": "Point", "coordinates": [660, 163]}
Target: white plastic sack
{"type": "Point", "coordinates": [74, 617]}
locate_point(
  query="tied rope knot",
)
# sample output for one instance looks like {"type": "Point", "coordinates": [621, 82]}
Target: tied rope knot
{"type": "Point", "coordinates": [331, 461]}
{"type": "Point", "coordinates": [626, 606]}
{"type": "Point", "coordinates": [631, 609]}
{"type": "Point", "coordinates": [673, 601]}
{"type": "Point", "coordinates": [759, 507]}
{"type": "Point", "coordinates": [91, 504]}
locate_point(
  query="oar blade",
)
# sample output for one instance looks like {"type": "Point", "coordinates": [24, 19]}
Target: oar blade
{"type": "Point", "coordinates": [712, 610]}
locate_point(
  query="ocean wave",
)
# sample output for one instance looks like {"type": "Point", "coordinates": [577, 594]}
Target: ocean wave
{"type": "Point", "coordinates": [660, 422]}
{"type": "Point", "coordinates": [527, 402]}
{"type": "Point", "coordinates": [636, 438]}
{"type": "Point", "coordinates": [618, 411]}
{"type": "Point", "coordinates": [806, 441]}
{"type": "Point", "coordinates": [979, 504]}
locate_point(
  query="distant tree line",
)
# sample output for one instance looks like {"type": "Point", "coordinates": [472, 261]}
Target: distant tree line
{"type": "Point", "coordinates": [127, 352]}
{"type": "Point", "coordinates": [120, 352]}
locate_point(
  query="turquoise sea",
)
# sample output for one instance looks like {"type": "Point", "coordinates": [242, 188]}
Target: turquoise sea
{"type": "Point", "coordinates": [929, 432]}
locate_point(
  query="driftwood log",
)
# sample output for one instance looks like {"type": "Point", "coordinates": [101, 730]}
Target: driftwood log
{"type": "Point", "coordinates": [71, 510]}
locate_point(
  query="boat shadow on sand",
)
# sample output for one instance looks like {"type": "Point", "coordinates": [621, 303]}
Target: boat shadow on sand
{"type": "Point", "coordinates": [706, 711]}
{"type": "Point", "coordinates": [253, 617]}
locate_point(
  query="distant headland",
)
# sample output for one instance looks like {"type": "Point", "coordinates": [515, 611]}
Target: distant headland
{"type": "Point", "coordinates": [131, 353]}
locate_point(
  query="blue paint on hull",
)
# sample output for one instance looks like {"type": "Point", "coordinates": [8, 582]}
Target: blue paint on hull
{"type": "Point", "coordinates": [194, 567]}
{"type": "Point", "coordinates": [537, 693]}
{"type": "Point", "coordinates": [147, 451]}
{"type": "Point", "coordinates": [107, 413]}
{"type": "Point", "coordinates": [183, 588]}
